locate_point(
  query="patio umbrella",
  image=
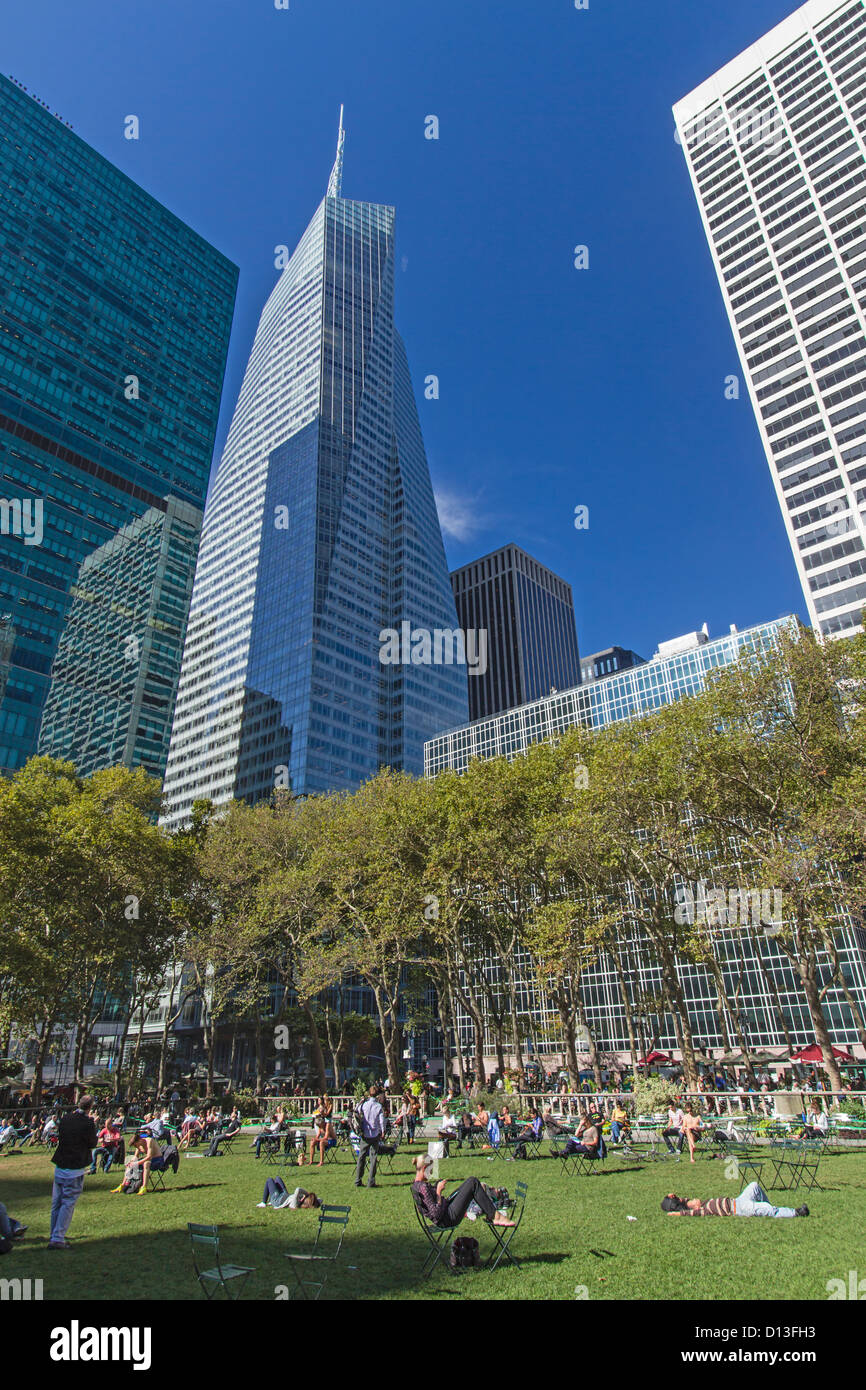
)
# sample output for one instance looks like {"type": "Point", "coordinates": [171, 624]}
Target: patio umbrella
{"type": "Point", "coordinates": [656, 1059]}
{"type": "Point", "coordinates": [813, 1053]}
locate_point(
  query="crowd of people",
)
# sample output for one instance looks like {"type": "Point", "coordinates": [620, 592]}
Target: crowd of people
{"type": "Point", "coordinates": [86, 1136]}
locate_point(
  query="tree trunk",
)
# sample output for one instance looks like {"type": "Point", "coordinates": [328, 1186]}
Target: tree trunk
{"type": "Point", "coordinates": [569, 1034]}
{"type": "Point", "coordinates": [136, 1053]}
{"type": "Point", "coordinates": [41, 1054]}
{"type": "Point", "coordinates": [627, 1009]}
{"type": "Point", "coordinates": [260, 1057]}
{"type": "Point", "coordinates": [594, 1059]}
{"type": "Point", "coordinates": [682, 1023]}
{"type": "Point", "coordinates": [316, 1044]}
{"type": "Point", "coordinates": [806, 967]}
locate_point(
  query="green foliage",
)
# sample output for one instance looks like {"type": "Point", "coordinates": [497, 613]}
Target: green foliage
{"type": "Point", "coordinates": [652, 1094]}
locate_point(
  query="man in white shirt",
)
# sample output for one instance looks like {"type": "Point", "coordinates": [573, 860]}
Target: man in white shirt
{"type": "Point", "coordinates": [674, 1129]}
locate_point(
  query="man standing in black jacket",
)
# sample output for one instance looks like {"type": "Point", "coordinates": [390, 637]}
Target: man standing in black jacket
{"type": "Point", "coordinates": [75, 1144]}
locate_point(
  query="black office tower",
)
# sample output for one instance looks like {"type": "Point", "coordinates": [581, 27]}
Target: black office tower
{"type": "Point", "coordinates": [527, 612]}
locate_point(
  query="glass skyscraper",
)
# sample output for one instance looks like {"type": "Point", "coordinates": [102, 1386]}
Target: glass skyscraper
{"type": "Point", "coordinates": [320, 534]}
{"type": "Point", "coordinates": [776, 149]}
{"type": "Point", "coordinates": [114, 679]}
{"type": "Point", "coordinates": [527, 612]}
{"type": "Point", "coordinates": [114, 326]}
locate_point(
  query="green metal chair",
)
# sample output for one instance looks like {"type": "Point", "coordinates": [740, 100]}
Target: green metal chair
{"type": "Point", "coordinates": [317, 1259]}
{"type": "Point", "coordinates": [205, 1241]}
{"type": "Point", "coordinates": [504, 1235]}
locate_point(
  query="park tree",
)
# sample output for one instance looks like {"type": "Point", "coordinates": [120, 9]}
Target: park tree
{"type": "Point", "coordinates": [774, 757]}
{"type": "Point", "coordinates": [83, 894]}
{"type": "Point", "coordinates": [372, 857]}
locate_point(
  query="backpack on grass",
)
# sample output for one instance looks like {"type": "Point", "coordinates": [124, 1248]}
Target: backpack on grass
{"type": "Point", "coordinates": [465, 1253]}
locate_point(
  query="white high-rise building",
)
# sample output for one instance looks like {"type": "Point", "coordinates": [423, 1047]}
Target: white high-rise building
{"type": "Point", "coordinates": [776, 148]}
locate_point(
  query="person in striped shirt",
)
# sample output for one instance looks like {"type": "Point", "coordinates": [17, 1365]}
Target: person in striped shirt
{"type": "Point", "coordinates": [752, 1201]}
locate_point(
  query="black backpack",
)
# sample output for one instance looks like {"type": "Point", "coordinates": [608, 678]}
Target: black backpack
{"type": "Point", "coordinates": [465, 1253]}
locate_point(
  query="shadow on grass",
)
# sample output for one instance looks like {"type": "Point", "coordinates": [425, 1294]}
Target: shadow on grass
{"type": "Point", "coordinates": [158, 1265]}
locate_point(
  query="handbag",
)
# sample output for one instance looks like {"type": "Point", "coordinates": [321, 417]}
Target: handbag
{"type": "Point", "coordinates": [465, 1253]}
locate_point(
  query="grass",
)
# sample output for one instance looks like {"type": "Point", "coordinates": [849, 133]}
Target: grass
{"type": "Point", "coordinates": [575, 1234]}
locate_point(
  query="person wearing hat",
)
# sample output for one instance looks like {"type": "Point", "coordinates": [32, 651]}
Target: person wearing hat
{"type": "Point", "coordinates": [450, 1211]}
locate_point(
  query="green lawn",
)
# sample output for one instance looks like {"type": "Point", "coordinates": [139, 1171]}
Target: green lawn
{"type": "Point", "coordinates": [575, 1233]}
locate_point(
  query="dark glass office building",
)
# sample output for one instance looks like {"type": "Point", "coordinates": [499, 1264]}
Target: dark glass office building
{"type": "Point", "coordinates": [320, 541]}
{"type": "Point", "coordinates": [114, 326]}
{"type": "Point", "coordinates": [607, 662]}
{"type": "Point", "coordinates": [527, 612]}
{"type": "Point", "coordinates": [114, 678]}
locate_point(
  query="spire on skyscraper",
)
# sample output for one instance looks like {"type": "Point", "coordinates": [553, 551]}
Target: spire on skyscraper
{"type": "Point", "coordinates": [335, 182]}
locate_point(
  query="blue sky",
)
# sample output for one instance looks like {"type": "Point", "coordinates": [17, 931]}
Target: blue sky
{"type": "Point", "coordinates": [558, 387]}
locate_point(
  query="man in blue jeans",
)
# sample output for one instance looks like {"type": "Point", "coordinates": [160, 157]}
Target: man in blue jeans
{"type": "Point", "coordinates": [75, 1144]}
{"type": "Point", "coordinates": [752, 1201]}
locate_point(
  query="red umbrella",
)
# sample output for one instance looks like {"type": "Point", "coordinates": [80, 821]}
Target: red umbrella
{"type": "Point", "coordinates": [657, 1059]}
{"type": "Point", "coordinates": [814, 1054]}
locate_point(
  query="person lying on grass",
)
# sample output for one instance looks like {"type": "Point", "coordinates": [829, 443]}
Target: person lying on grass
{"type": "Point", "coordinates": [752, 1201]}
{"type": "Point", "coordinates": [277, 1195]}
{"type": "Point", "coordinates": [450, 1211]}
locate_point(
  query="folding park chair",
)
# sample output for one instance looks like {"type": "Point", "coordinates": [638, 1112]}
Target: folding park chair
{"type": "Point", "coordinates": [741, 1152]}
{"type": "Point", "coordinates": [156, 1179]}
{"type": "Point", "coordinates": [331, 1154]}
{"type": "Point", "coordinates": [205, 1243]}
{"type": "Point", "coordinates": [271, 1150]}
{"type": "Point", "coordinates": [504, 1235]}
{"type": "Point", "coordinates": [440, 1239]}
{"type": "Point", "coordinates": [584, 1164]}
{"type": "Point", "coordinates": [288, 1150]}
{"type": "Point", "coordinates": [332, 1151]}
{"type": "Point", "coordinates": [530, 1147]}
{"type": "Point", "coordinates": [388, 1152]}
{"type": "Point", "coordinates": [317, 1260]}
{"type": "Point", "coordinates": [796, 1164]}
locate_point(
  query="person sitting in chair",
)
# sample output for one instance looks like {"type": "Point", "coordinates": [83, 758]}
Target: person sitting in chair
{"type": "Point", "coordinates": [440, 1210]}
{"type": "Point", "coordinates": [817, 1123]}
{"type": "Point", "coordinates": [110, 1146]}
{"type": "Point", "coordinates": [533, 1128]}
{"type": "Point", "coordinates": [466, 1127]}
{"type": "Point", "coordinates": [10, 1230]}
{"type": "Point", "coordinates": [270, 1135]}
{"type": "Point", "coordinates": [447, 1127]}
{"type": "Point", "coordinates": [552, 1125]}
{"type": "Point", "coordinates": [145, 1150]}
{"type": "Point", "coordinates": [232, 1128]}
{"type": "Point", "coordinates": [322, 1137]}
{"type": "Point", "coordinates": [619, 1123]}
{"type": "Point", "coordinates": [586, 1138]}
